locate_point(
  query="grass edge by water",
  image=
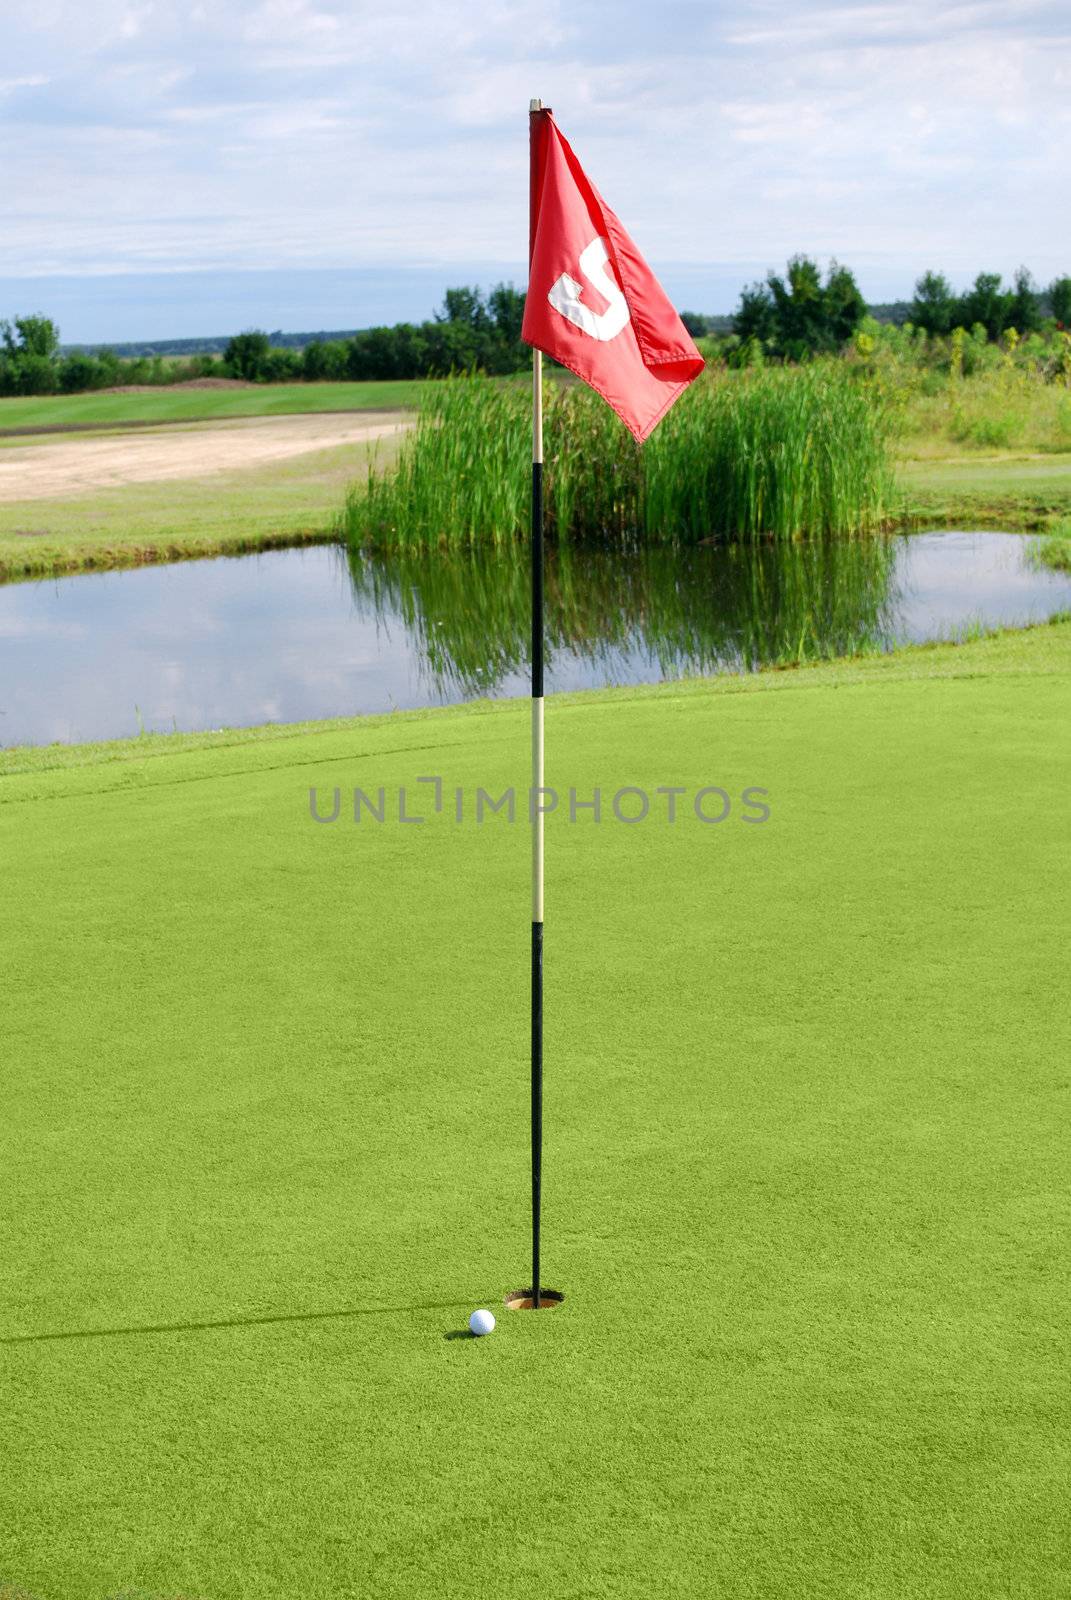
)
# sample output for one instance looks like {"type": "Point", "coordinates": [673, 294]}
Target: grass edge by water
{"type": "Point", "coordinates": [20, 566]}
{"type": "Point", "coordinates": [1038, 648]}
{"type": "Point", "coordinates": [120, 557]}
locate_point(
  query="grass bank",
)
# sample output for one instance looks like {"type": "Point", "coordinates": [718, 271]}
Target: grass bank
{"type": "Point", "coordinates": [993, 450]}
{"type": "Point", "coordinates": [258, 508]}
{"type": "Point", "coordinates": [985, 490]}
{"type": "Point", "coordinates": [180, 404]}
{"type": "Point", "coordinates": [264, 1149]}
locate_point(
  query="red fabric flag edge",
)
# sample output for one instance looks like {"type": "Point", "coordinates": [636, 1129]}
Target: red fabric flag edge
{"type": "Point", "coordinates": [678, 366]}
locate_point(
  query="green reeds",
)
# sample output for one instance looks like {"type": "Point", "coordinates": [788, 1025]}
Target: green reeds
{"type": "Point", "coordinates": [781, 453]}
{"type": "Point", "coordinates": [1052, 550]}
{"type": "Point", "coordinates": [777, 453]}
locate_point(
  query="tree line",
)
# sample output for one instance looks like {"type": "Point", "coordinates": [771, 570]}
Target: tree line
{"type": "Point", "coordinates": [938, 309]}
{"type": "Point", "coordinates": [789, 316]}
{"type": "Point", "coordinates": [799, 313]}
{"type": "Point", "coordinates": [471, 330]}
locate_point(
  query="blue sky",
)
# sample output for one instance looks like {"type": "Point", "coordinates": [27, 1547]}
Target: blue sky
{"type": "Point", "coordinates": [193, 167]}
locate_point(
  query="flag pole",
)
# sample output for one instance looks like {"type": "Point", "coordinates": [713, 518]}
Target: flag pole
{"type": "Point", "coordinates": [537, 801]}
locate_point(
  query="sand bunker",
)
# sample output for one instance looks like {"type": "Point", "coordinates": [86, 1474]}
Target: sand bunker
{"type": "Point", "coordinates": [61, 467]}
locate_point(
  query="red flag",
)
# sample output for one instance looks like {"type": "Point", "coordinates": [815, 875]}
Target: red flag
{"type": "Point", "coordinates": [593, 302]}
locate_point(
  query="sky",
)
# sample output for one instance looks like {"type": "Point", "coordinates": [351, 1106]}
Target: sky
{"type": "Point", "coordinates": [171, 168]}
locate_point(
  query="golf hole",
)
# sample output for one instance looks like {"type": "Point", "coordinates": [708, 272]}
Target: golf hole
{"type": "Point", "coordinates": [521, 1300]}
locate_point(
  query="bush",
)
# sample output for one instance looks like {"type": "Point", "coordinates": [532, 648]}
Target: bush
{"type": "Point", "coordinates": [798, 316]}
{"type": "Point", "coordinates": [29, 356]}
{"type": "Point", "coordinates": [246, 354]}
{"type": "Point", "coordinates": [204, 366]}
{"type": "Point", "coordinates": [1060, 301]}
{"type": "Point", "coordinates": [35, 374]}
{"type": "Point", "coordinates": [323, 360]}
{"type": "Point", "coordinates": [280, 366]}
{"type": "Point", "coordinates": [78, 372]}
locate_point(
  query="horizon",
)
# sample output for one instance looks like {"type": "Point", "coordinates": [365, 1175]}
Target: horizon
{"type": "Point", "coordinates": [180, 305]}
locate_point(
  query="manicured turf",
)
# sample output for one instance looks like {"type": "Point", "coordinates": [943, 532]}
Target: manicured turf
{"type": "Point", "coordinates": [264, 1130]}
{"type": "Point", "coordinates": [182, 404]}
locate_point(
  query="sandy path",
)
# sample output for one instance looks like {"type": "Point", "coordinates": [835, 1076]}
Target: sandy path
{"type": "Point", "coordinates": [69, 465]}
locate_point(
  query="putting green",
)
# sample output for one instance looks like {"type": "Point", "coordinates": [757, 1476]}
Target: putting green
{"type": "Point", "coordinates": [265, 1102]}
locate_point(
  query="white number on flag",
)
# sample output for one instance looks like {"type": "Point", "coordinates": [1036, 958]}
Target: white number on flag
{"type": "Point", "coordinates": [565, 296]}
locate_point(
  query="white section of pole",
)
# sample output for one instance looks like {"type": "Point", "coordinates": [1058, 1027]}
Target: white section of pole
{"type": "Point", "coordinates": [537, 406]}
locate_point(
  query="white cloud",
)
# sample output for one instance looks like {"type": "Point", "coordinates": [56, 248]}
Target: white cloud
{"type": "Point", "coordinates": [273, 133]}
{"type": "Point", "coordinates": [32, 81]}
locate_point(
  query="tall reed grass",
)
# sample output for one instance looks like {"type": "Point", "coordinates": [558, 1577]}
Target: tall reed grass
{"type": "Point", "coordinates": [779, 453]}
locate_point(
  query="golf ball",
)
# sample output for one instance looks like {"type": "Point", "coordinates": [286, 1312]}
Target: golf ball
{"type": "Point", "coordinates": [481, 1322]}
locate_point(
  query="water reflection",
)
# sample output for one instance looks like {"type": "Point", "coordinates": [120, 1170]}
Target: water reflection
{"type": "Point", "coordinates": [642, 613]}
{"type": "Point", "coordinates": [296, 634]}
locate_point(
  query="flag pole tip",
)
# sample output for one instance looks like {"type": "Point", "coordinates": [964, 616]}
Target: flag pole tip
{"type": "Point", "coordinates": [534, 105]}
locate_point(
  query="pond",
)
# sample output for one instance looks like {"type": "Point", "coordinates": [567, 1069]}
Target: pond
{"type": "Point", "coordinates": [296, 634]}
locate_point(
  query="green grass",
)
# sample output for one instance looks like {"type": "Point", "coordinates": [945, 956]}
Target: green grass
{"type": "Point", "coordinates": [266, 1093]}
{"type": "Point", "coordinates": [937, 480]}
{"type": "Point", "coordinates": [1054, 550]}
{"type": "Point", "coordinates": [1005, 491]}
{"type": "Point", "coordinates": [740, 456]}
{"type": "Point", "coordinates": [187, 405]}
{"type": "Point", "coordinates": [993, 450]}
{"type": "Point", "coordinates": [1004, 410]}
{"type": "Point", "coordinates": [277, 503]}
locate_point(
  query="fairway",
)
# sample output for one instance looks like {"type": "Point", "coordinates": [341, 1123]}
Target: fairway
{"type": "Point", "coordinates": [805, 1166]}
{"type": "Point", "coordinates": [1006, 491]}
{"type": "Point", "coordinates": [182, 403]}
